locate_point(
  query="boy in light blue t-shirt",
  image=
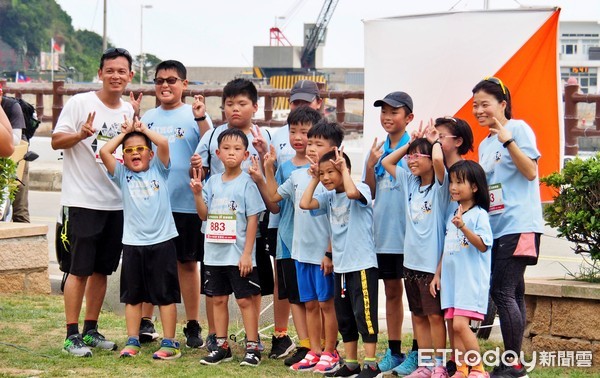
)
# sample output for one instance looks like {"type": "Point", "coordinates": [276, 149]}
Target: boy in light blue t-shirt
{"type": "Point", "coordinates": [354, 258]}
{"type": "Point", "coordinates": [149, 270]}
{"type": "Point", "coordinates": [229, 204]}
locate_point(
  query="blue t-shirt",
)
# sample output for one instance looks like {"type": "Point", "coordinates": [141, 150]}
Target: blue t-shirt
{"type": "Point", "coordinates": [281, 141]}
{"type": "Point", "coordinates": [352, 241]}
{"type": "Point", "coordinates": [521, 197]}
{"type": "Point", "coordinates": [239, 197]}
{"type": "Point", "coordinates": [216, 165]}
{"type": "Point", "coordinates": [466, 271]}
{"type": "Point", "coordinates": [388, 225]}
{"type": "Point", "coordinates": [425, 220]}
{"type": "Point", "coordinates": [146, 205]}
{"type": "Point", "coordinates": [180, 129]}
{"type": "Point", "coordinates": [285, 232]}
{"type": "Point", "coordinates": [312, 234]}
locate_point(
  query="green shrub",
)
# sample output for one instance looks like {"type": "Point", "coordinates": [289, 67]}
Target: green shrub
{"type": "Point", "coordinates": [8, 174]}
{"type": "Point", "coordinates": [576, 208]}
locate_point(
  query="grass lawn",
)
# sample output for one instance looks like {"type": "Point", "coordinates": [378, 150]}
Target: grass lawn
{"type": "Point", "coordinates": [32, 331]}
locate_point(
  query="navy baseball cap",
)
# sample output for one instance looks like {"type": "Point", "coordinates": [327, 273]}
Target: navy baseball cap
{"type": "Point", "coordinates": [305, 90]}
{"type": "Point", "coordinates": [396, 100]}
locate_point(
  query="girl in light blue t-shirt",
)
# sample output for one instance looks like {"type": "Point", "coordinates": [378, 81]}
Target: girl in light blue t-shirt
{"type": "Point", "coordinates": [464, 272]}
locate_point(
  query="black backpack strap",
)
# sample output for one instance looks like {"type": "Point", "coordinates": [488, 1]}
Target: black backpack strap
{"type": "Point", "coordinates": [209, 151]}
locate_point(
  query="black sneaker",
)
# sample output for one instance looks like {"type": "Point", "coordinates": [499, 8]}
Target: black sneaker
{"type": "Point", "coordinates": [147, 331]}
{"type": "Point", "coordinates": [345, 372]}
{"type": "Point", "coordinates": [281, 346]}
{"type": "Point", "coordinates": [505, 371]}
{"type": "Point", "coordinates": [95, 339]}
{"type": "Point", "coordinates": [451, 367]}
{"type": "Point", "coordinates": [223, 353]}
{"type": "Point", "coordinates": [252, 358]}
{"type": "Point", "coordinates": [192, 334]}
{"type": "Point", "coordinates": [298, 355]}
{"type": "Point", "coordinates": [211, 342]}
{"type": "Point", "coordinates": [369, 371]}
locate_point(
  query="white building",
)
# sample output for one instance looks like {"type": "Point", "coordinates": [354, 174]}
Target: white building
{"type": "Point", "coordinates": [579, 53]}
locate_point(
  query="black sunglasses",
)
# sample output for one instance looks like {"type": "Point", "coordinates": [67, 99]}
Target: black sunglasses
{"type": "Point", "coordinates": [116, 51]}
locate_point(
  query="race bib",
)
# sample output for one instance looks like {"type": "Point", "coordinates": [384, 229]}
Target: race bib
{"type": "Point", "coordinates": [220, 228]}
{"type": "Point", "coordinates": [496, 200]}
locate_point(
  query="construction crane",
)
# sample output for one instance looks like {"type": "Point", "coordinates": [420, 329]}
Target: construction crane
{"type": "Point", "coordinates": [317, 35]}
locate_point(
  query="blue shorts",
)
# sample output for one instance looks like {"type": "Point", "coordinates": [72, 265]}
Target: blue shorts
{"type": "Point", "coordinates": [312, 284]}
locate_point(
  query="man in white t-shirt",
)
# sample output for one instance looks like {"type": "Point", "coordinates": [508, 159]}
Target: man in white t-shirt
{"type": "Point", "coordinates": [95, 210]}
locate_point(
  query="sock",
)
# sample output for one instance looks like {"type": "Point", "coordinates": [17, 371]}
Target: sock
{"type": "Point", "coordinates": [221, 342]}
{"type": "Point", "coordinates": [280, 332]}
{"type": "Point", "coordinates": [426, 361]}
{"type": "Point", "coordinates": [89, 325]}
{"type": "Point", "coordinates": [72, 329]}
{"type": "Point", "coordinates": [148, 318]}
{"type": "Point", "coordinates": [395, 346]}
{"type": "Point", "coordinates": [370, 361]}
{"type": "Point", "coordinates": [463, 368]}
{"type": "Point", "coordinates": [352, 364]}
{"type": "Point", "coordinates": [479, 367]}
{"type": "Point", "coordinates": [137, 337]}
{"type": "Point", "coordinates": [415, 346]}
{"type": "Point", "coordinates": [305, 343]}
{"type": "Point", "coordinates": [439, 361]}
{"type": "Point", "coordinates": [251, 345]}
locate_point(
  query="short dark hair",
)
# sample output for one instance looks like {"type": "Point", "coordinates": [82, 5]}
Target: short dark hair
{"type": "Point", "coordinates": [113, 53]}
{"type": "Point", "coordinates": [467, 170]}
{"type": "Point", "coordinates": [460, 129]}
{"type": "Point", "coordinates": [495, 87]}
{"type": "Point", "coordinates": [304, 115]}
{"type": "Point", "coordinates": [137, 133]}
{"type": "Point", "coordinates": [233, 133]}
{"type": "Point", "coordinates": [420, 145]}
{"type": "Point", "coordinates": [331, 131]}
{"type": "Point", "coordinates": [238, 87]}
{"type": "Point", "coordinates": [172, 65]}
{"type": "Point", "coordinates": [330, 155]}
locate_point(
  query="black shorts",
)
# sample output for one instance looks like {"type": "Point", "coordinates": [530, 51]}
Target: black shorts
{"type": "Point", "coordinates": [264, 268]}
{"type": "Point", "coordinates": [270, 237]}
{"type": "Point", "coordinates": [224, 280]}
{"type": "Point", "coordinates": [420, 300]}
{"type": "Point", "coordinates": [95, 237]}
{"type": "Point", "coordinates": [356, 311]}
{"type": "Point", "coordinates": [190, 242]}
{"type": "Point", "coordinates": [391, 266]}
{"type": "Point", "coordinates": [287, 282]}
{"type": "Point", "coordinates": [149, 274]}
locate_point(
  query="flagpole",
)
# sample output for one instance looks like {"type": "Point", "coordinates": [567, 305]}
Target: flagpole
{"type": "Point", "coordinates": [52, 59]}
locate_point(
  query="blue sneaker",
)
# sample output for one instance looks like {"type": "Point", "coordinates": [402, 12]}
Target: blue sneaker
{"type": "Point", "coordinates": [409, 364]}
{"type": "Point", "coordinates": [390, 361]}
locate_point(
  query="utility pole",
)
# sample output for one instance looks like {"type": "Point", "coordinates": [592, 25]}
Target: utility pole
{"type": "Point", "coordinates": [104, 39]}
{"type": "Point", "coordinates": [142, 6]}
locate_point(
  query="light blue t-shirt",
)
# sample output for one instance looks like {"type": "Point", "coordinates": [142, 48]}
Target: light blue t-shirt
{"type": "Point", "coordinates": [285, 232]}
{"type": "Point", "coordinates": [180, 129]}
{"type": "Point", "coordinates": [389, 225]}
{"type": "Point", "coordinates": [466, 271]}
{"type": "Point", "coordinates": [239, 197]}
{"type": "Point", "coordinates": [521, 197]}
{"type": "Point", "coordinates": [146, 205]}
{"type": "Point", "coordinates": [216, 165]}
{"type": "Point", "coordinates": [351, 229]}
{"type": "Point", "coordinates": [283, 148]}
{"type": "Point", "coordinates": [425, 220]}
{"type": "Point", "coordinates": [312, 234]}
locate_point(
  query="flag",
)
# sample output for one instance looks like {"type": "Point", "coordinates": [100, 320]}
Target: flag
{"type": "Point", "coordinates": [21, 78]}
{"type": "Point", "coordinates": [440, 65]}
{"type": "Point", "coordinates": [57, 47]}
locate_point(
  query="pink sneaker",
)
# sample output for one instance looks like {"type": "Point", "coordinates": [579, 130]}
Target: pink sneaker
{"type": "Point", "coordinates": [328, 363]}
{"type": "Point", "coordinates": [439, 372]}
{"type": "Point", "coordinates": [308, 363]}
{"type": "Point", "coordinates": [478, 374]}
{"type": "Point", "coordinates": [421, 372]}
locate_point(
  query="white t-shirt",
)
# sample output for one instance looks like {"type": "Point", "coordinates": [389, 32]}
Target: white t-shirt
{"type": "Point", "coordinates": [85, 182]}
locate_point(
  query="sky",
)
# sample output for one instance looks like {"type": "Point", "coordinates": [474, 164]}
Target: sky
{"type": "Point", "coordinates": [222, 33]}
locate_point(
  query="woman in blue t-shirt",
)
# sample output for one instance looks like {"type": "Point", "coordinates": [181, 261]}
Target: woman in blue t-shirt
{"type": "Point", "coordinates": [509, 158]}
